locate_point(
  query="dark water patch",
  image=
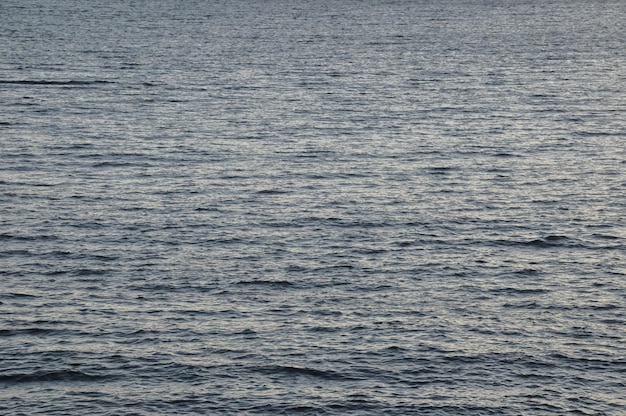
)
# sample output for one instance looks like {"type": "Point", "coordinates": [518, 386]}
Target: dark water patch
{"type": "Point", "coordinates": [16, 237]}
{"type": "Point", "coordinates": [89, 272]}
{"type": "Point", "coordinates": [614, 321]}
{"type": "Point", "coordinates": [118, 164]}
{"type": "Point", "coordinates": [17, 253]}
{"type": "Point", "coordinates": [606, 237]}
{"type": "Point", "coordinates": [313, 154]}
{"type": "Point", "coordinates": [527, 272]}
{"type": "Point", "coordinates": [334, 267]}
{"type": "Point", "coordinates": [41, 184]}
{"type": "Point", "coordinates": [517, 291]}
{"type": "Point", "coordinates": [26, 331]}
{"type": "Point", "coordinates": [440, 170]}
{"type": "Point", "coordinates": [405, 243]}
{"type": "Point", "coordinates": [15, 295]}
{"type": "Point", "coordinates": [528, 304]}
{"type": "Point", "coordinates": [43, 332]}
{"type": "Point", "coordinates": [161, 288]}
{"type": "Point", "coordinates": [247, 332]}
{"type": "Point", "coordinates": [295, 268]}
{"type": "Point", "coordinates": [607, 306]}
{"type": "Point", "coordinates": [272, 192]}
{"type": "Point", "coordinates": [394, 349]}
{"type": "Point", "coordinates": [370, 251]}
{"type": "Point", "coordinates": [51, 377]}
{"type": "Point", "coordinates": [326, 312]}
{"type": "Point", "coordinates": [544, 306]}
{"type": "Point", "coordinates": [56, 82]}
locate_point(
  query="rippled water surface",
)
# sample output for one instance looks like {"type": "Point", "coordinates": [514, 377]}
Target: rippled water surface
{"type": "Point", "coordinates": [313, 207]}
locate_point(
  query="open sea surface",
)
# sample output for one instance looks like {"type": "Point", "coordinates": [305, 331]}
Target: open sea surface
{"type": "Point", "coordinates": [313, 207]}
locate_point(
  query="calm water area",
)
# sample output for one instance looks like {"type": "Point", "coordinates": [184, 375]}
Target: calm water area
{"type": "Point", "coordinates": [312, 207]}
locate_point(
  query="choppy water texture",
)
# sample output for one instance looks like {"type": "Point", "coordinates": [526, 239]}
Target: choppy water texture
{"type": "Point", "coordinates": [314, 207]}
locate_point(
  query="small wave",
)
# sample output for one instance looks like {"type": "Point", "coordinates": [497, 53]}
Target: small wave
{"type": "Point", "coordinates": [247, 331]}
{"type": "Point", "coordinates": [90, 272]}
{"type": "Point", "coordinates": [550, 241]}
{"type": "Point", "coordinates": [44, 376]}
{"type": "Point", "coordinates": [514, 291]}
{"type": "Point", "coordinates": [17, 295]}
{"type": "Point", "coordinates": [327, 312]}
{"type": "Point", "coordinates": [532, 304]}
{"type": "Point", "coordinates": [8, 236]}
{"type": "Point", "coordinates": [440, 170]}
{"type": "Point", "coordinates": [280, 283]}
{"type": "Point", "coordinates": [296, 268]}
{"type": "Point", "coordinates": [608, 306]}
{"type": "Point", "coordinates": [40, 332]}
{"type": "Point", "coordinates": [54, 82]}
{"type": "Point", "coordinates": [393, 349]}
{"type": "Point", "coordinates": [326, 329]}
{"type": "Point", "coordinates": [527, 272]}
{"type": "Point", "coordinates": [617, 365]}
{"type": "Point", "coordinates": [605, 236]}
{"type": "Point", "coordinates": [519, 291]}
{"type": "Point", "coordinates": [272, 192]}
{"type": "Point", "coordinates": [523, 305]}
{"type": "Point", "coordinates": [25, 331]}
{"type": "Point", "coordinates": [113, 164]}
{"type": "Point", "coordinates": [303, 371]}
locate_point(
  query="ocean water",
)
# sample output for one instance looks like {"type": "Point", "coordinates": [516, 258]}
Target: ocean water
{"type": "Point", "coordinates": [313, 207]}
